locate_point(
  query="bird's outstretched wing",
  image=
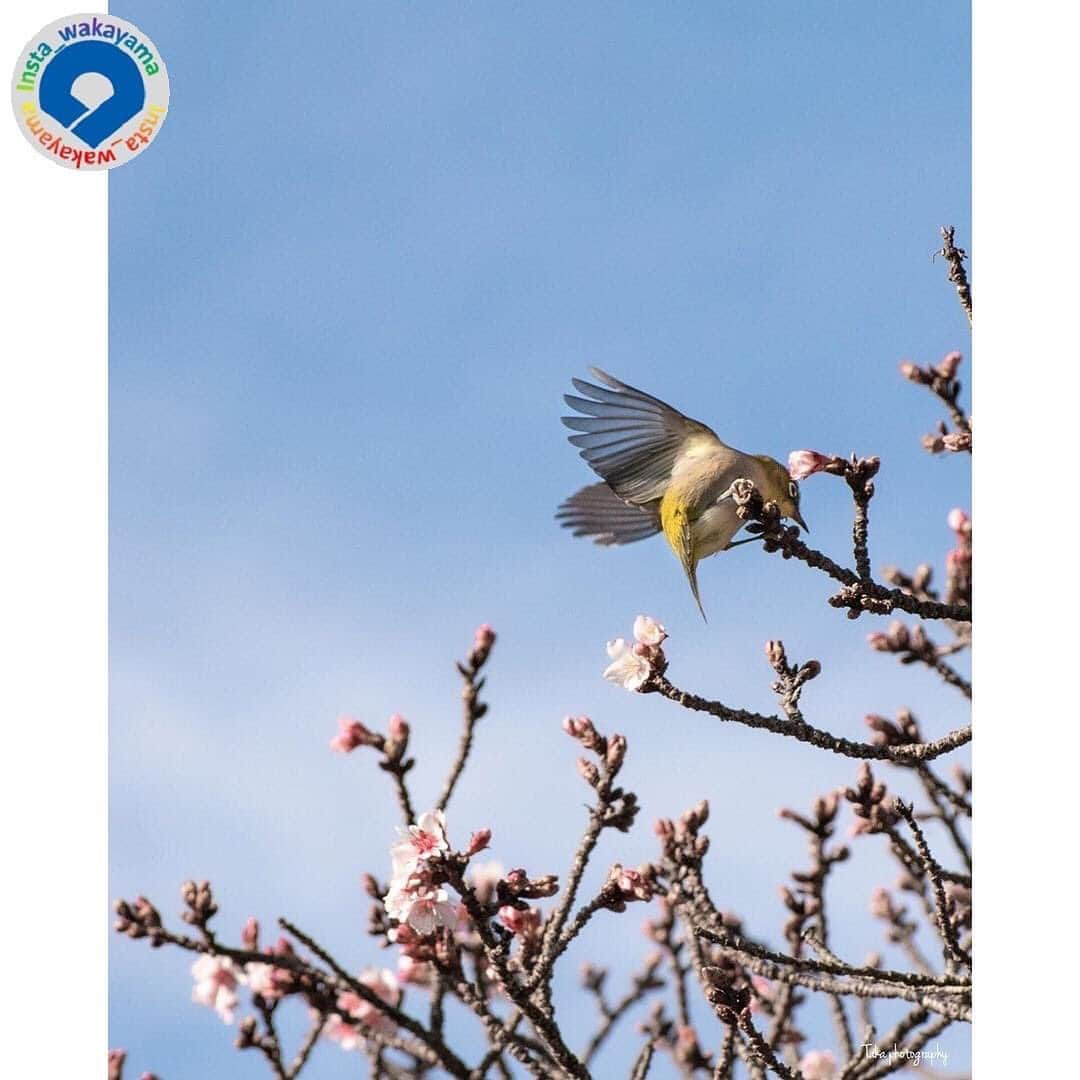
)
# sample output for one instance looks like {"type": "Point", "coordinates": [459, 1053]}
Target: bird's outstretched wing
{"type": "Point", "coordinates": [598, 512]}
{"type": "Point", "coordinates": [630, 438]}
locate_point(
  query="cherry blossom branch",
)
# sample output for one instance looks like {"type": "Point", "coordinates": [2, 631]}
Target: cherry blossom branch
{"type": "Point", "coordinates": [641, 1065]}
{"type": "Point", "coordinates": [945, 1005]}
{"type": "Point", "coordinates": [392, 747]}
{"type": "Point", "coordinates": [727, 1055]}
{"type": "Point", "coordinates": [446, 1057]}
{"type": "Point", "coordinates": [940, 379]}
{"type": "Point", "coordinates": [820, 830]}
{"type": "Point", "coordinates": [501, 1036]}
{"type": "Point", "coordinates": [806, 733]}
{"type": "Point", "coordinates": [762, 1051]}
{"type": "Point", "coordinates": [142, 920]}
{"type": "Point", "coordinates": [958, 278]}
{"type": "Point", "coordinates": [495, 948]}
{"type": "Point", "coordinates": [913, 646]}
{"type": "Point", "coordinates": [312, 1037]}
{"type": "Point", "coordinates": [472, 707]}
{"type": "Point", "coordinates": [614, 808]}
{"type": "Point", "coordinates": [642, 984]}
{"type": "Point", "coordinates": [736, 944]}
{"type": "Point", "coordinates": [931, 868]}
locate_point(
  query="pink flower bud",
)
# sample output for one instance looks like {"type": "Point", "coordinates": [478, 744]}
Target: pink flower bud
{"type": "Point", "coordinates": [351, 734]}
{"type": "Point", "coordinates": [478, 841]}
{"type": "Point", "coordinates": [804, 463]}
{"type": "Point", "coordinates": [950, 364]}
{"type": "Point", "coordinates": [878, 641]}
{"type": "Point", "coordinates": [616, 752]}
{"type": "Point", "coordinates": [880, 903]}
{"type": "Point", "coordinates": [398, 728]}
{"type": "Point", "coordinates": [116, 1063]}
{"type": "Point", "coordinates": [588, 772]}
{"type": "Point", "coordinates": [910, 371]}
{"type": "Point", "coordinates": [484, 638]}
{"type": "Point", "coordinates": [959, 521]}
{"type": "Point", "coordinates": [249, 936]}
{"type": "Point", "coordinates": [517, 879]}
{"type": "Point", "coordinates": [520, 922]}
{"type": "Point", "coordinates": [581, 728]}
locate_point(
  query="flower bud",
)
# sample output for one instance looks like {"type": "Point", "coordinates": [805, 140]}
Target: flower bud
{"type": "Point", "coordinates": [588, 772]}
{"type": "Point", "coordinates": [804, 463]}
{"type": "Point", "coordinates": [616, 752]}
{"type": "Point", "coordinates": [478, 841]}
{"type": "Point", "coordinates": [249, 936]}
{"type": "Point", "coordinates": [950, 364]}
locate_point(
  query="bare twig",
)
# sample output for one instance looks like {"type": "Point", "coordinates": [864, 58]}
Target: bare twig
{"type": "Point", "coordinates": [955, 257]}
{"type": "Point", "coordinates": [806, 733]}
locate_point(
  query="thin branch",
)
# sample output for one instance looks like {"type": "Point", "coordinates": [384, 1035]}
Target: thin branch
{"type": "Point", "coordinates": [955, 257]}
{"type": "Point", "coordinates": [858, 594]}
{"type": "Point", "coordinates": [644, 1060]}
{"type": "Point", "coordinates": [495, 951]}
{"type": "Point", "coordinates": [933, 871]}
{"type": "Point", "coordinates": [761, 1050]}
{"type": "Point", "coordinates": [644, 982]}
{"type": "Point", "coordinates": [911, 753]}
{"type": "Point", "coordinates": [449, 1060]}
{"type": "Point", "coordinates": [737, 944]}
{"type": "Point", "coordinates": [307, 1046]}
{"type": "Point", "coordinates": [472, 709]}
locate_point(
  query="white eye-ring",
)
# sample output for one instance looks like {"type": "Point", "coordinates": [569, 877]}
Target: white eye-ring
{"type": "Point", "coordinates": [793, 489]}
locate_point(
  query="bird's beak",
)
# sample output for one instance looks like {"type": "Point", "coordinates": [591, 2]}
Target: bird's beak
{"type": "Point", "coordinates": [799, 518]}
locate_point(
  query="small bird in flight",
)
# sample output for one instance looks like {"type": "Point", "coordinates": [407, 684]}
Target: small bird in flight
{"type": "Point", "coordinates": [661, 472]}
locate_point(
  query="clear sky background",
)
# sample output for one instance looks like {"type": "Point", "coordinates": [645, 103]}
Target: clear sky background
{"type": "Point", "coordinates": [349, 284]}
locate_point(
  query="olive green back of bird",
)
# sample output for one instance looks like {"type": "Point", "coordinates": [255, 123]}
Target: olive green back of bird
{"type": "Point", "coordinates": [662, 471]}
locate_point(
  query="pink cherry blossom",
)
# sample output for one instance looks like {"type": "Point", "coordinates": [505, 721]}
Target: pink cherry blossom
{"type": "Point", "coordinates": [216, 980]}
{"type": "Point", "coordinates": [818, 1065]}
{"type": "Point", "coordinates": [627, 669]}
{"type": "Point", "coordinates": [520, 922]}
{"type": "Point", "coordinates": [418, 842]}
{"type": "Point", "coordinates": [339, 1030]}
{"type": "Point", "coordinates": [384, 984]}
{"type": "Point", "coordinates": [418, 904]}
{"type": "Point", "coordinates": [411, 970]}
{"type": "Point", "coordinates": [647, 631]}
{"type": "Point", "coordinates": [260, 980]}
{"type": "Point", "coordinates": [804, 463]}
{"type": "Point", "coordinates": [484, 876]}
{"type": "Point", "coordinates": [351, 734]}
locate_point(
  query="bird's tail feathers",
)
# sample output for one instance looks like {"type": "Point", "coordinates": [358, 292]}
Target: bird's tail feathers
{"type": "Point", "coordinates": [596, 511]}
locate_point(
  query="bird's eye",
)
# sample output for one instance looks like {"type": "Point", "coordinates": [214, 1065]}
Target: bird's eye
{"type": "Point", "coordinates": [793, 490]}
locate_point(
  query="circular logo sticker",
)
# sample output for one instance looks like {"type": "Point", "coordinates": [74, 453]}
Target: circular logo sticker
{"type": "Point", "coordinates": [90, 91]}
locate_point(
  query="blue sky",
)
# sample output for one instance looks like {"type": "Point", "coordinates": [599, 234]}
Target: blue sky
{"type": "Point", "coordinates": [348, 287]}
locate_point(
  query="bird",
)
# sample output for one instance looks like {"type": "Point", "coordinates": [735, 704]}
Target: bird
{"type": "Point", "coordinates": [661, 472]}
